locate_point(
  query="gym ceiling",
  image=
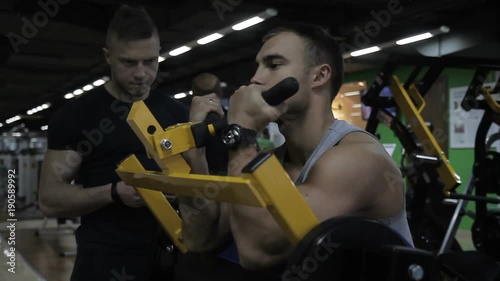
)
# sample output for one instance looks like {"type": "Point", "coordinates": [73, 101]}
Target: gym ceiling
{"type": "Point", "coordinates": [61, 51]}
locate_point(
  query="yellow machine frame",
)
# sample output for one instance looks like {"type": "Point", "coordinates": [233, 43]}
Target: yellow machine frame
{"type": "Point", "coordinates": [412, 111]}
{"type": "Point", "coordinates": [265, 185]}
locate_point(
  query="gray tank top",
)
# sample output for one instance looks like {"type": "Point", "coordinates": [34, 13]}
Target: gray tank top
{"type": "Point", "coordinates": [335, 133]}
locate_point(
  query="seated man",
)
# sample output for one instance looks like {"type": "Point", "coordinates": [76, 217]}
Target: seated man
{"type": "Point", "coordinates": [338, 168]}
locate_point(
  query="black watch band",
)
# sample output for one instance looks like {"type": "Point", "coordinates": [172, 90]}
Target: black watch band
{"type": "Point", "coordinates": [236, 137]}
{"type": "Point", "coordinates": [114, 194]}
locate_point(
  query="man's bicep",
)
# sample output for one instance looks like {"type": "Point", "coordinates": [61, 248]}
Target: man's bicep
{"type": "Point", "coordinates": [59, 166]}
{"type": "Point", "coordinates": [336, 186]}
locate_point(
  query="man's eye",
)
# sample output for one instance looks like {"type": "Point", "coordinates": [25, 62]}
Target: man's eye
{"type": "Point", "coordinates": [275, 65]}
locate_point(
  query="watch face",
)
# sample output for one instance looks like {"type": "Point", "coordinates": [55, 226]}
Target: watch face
{"type": "Point", "coordinates": [231, 135]}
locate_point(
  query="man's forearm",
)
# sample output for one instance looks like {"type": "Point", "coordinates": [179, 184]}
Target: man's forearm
{"type": "Point", "coordinates": [262, 242]}
{"type": "Point", "coordinates": [202, 228]}
{"type": "Point", "coordinates": [67, 200]}
{"type": "Point", "coordinates": [201, 218]}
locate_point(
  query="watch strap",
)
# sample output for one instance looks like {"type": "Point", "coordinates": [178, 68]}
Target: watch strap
{"type": "Point", "coordinates": [114, 194]}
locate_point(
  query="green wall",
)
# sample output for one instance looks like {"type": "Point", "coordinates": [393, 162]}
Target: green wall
{"type": "Point", "coordinates": [461, 159]}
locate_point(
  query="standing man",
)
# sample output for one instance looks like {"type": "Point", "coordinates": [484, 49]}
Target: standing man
{"type": "Point", "coordinates": [118, 238]}
{"type": "Point", "coordinates": [324, 156]}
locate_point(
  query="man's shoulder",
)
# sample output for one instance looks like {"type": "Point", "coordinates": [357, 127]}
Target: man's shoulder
{"type": "Point", "coordinates": [358, 156]}
{"type": "Point", "coordinates": [90, 99]}
{"type": "Point", "coordinates": [164, 105]}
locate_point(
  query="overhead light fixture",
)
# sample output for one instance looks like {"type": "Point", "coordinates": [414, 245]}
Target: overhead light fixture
{"type": "Point", "coordinates": [247, 23]}
{"type": "Point", "coordinates": [209, 38]}
{"type": "Point", "coordinates": [13, 119]}
{"type": "Point", "coordinates": [77, 92]}
{"type": "Point", "coordinates": [38, 108]}
{"type": "Point", "coordinates": [98, 82]}
{"type": "Point", "coordinates": [407, 40]}
{"type": "Point", "coordinates": [69, 96]}
{"type": "Point", "coordinates": [180, 95]}
{"type": "Point", "coordinates": [414, 38]}
{"type": "Point", "coordinates": [349, 94]}
{"type": "Point", "coordinates": [1, 125]}
{"type": "Point", "coordinates": [190, 93]}
{"type": "Point", "coordinates": [88, 87]}
{"type": "Point", "coordinates": [178, 51]}
{"type": "Point", "coordinates": [255, 19]}
{"type": "Point", "coordinates": [44, 128]}
{"type": "Point", "coordinates": [365, 51]}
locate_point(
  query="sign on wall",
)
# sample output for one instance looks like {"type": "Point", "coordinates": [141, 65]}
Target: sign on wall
{"type": "Point", "coordinates": [464, 124]}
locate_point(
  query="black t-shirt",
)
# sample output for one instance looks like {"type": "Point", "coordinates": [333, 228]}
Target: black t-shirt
{"type": "Point", "coordinates": [95, 126]}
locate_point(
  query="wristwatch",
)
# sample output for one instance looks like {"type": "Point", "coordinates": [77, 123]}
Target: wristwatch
{"type": "Point", "coordinates": [234, 136]}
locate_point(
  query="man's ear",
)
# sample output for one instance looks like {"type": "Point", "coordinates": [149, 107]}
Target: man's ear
{"type": "Point", "coordinates": [106, 55]}
{"type": "Point", "coordinates": [321, 75]}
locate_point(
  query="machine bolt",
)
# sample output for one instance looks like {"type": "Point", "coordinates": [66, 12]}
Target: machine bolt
{"type": "Point", "coordinates": [166, 144]}
{"type": "Point", "coordinates": [416, 272]}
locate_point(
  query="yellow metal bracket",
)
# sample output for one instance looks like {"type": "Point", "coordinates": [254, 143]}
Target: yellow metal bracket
{"type": "Point", "coordinates": [430, 146]}
{"type": "Point", "coordinates": [266, 185]}
{"type": "Point", "coordinates": [490, 100]}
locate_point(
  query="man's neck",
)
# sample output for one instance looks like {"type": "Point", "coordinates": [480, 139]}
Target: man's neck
{"type": "Point", "coordinates": [304, 133]}
{"type": "Point", "coordinates": [115, 91]}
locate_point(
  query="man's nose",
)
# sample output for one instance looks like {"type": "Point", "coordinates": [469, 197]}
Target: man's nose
{"type": "Point", "coordinates": [257, 79]}
{"type": "Point", "coordinates": [140, 71]}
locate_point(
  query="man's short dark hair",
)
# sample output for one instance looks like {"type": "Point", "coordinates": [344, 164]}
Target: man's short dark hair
{"type": "Point", "coordinates": [206, 83]}
{"type": "Point", "coordinates": [130, 23]}
{"type": "Point", "coordinates": [320, 47]}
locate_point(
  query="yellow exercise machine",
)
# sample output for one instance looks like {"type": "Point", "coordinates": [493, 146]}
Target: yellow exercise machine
{"type": "Point", "coordinates": [257, 187]}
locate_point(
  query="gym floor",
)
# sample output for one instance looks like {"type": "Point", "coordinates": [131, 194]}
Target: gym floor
{"type": "Point", "coordinates": [49, 256]}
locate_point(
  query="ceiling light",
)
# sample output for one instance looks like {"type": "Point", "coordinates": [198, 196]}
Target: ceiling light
{"type": "Point", "coordinates": [78, 92]}
{"type": "Point", "coordinates": [180, 95]}
{"type": "Point", "coordinates": [44, 128]}
{"type": "Point", "coordinates": [179, 51]}
{"type": "Point", "coordinates": [69, 96]}
{"type": "Point", "coordinates": [45, 105]}
{"type": "Point", "coordinates": [39, 108]}
{"type": "Point", "coordinates": [349, 94]}
{"type": "Point", "coordinates": [190, 93]}
{"type": "Point", "coordinates": [209, 38]}
{"type": "Point", "coordinates": [247, 23]}
{"type": "Point", "coordinates": [88, 87]}
{"type": "Point", "coordinates": [365, 51]}
{"type": "Point", "coordinates": [29, 112]}
{"type": "Point", "coordinates": [415, 38]}
{"type": "Point", "coordinates": [1, 125]}
{"type": "Point", "coordinates": [13, 119]}
{"type": "Point", "coordinates": [407, 40]}
{"type": "Point", "coordinates": [98, 82]}
{"type": "Point", "coordinates": [217, 34]}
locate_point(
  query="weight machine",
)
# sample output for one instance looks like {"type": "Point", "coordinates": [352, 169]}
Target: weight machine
{"type": "Point", "coordinates": [432, 181]}
{"type": "Point", "coordinates": [353, 255]}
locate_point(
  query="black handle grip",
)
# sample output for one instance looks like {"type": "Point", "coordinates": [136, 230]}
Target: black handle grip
{"type": "Point", "coordinates": [274, 96]}
{"type": "Point", "coordinates": [281, 91]}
